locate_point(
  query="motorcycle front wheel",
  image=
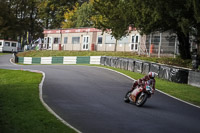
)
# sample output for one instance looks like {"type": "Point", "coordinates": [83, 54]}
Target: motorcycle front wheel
{"type": "Point", "coordinates": [126, 98]}
{"type": "Point", "coordinates": [141, 99]}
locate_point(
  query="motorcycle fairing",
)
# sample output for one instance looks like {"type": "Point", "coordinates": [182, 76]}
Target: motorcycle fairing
{"type": "Point", "coordinates": [135, 92]}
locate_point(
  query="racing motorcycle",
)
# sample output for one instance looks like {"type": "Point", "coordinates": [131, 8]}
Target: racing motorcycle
{"type": "Point", "coordinates": [139, 95]}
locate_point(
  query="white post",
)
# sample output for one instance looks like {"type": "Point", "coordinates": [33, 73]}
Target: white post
{"type": "Point", "coordinates": [60, 40]}
{"type": "Point", "coordinates": [139, 47]}
{"type": "Point", "coordinates": [150, 44]}
{"type": "Point", "coordinates": [175, 49]}
{"type": "Point", "coordinates": [160, 45]}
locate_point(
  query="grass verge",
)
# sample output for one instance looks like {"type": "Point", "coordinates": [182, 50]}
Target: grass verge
{"type": "Point", "coordinates": [20, 108]}
{"type": "Point", "coordinates": [184, 92]}
{"type": "Point", "coordinates": [4, 53]}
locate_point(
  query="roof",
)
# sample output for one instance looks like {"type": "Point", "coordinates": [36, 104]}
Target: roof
{"type": "Point", "coordinates": [8, 40]}
{"type": "Point", "coordinates": [70, 30]}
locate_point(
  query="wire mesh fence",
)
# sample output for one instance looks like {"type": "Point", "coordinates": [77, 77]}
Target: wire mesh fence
{"type": "Point", "coordinates": [160, 44]}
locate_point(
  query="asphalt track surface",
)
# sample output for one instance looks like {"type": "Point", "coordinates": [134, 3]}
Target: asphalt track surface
{"type": "Point", "coordinates": [91, 100]}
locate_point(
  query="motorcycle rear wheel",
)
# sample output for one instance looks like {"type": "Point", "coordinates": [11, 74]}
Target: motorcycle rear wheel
{"type": "Point", "coordinates": [141, 99]}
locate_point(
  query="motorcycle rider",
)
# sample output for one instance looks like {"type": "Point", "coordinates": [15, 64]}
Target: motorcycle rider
{"type": "Point", "coordinates": [149, 79]}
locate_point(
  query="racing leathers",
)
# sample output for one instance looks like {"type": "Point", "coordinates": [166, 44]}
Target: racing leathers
{"type": "Point", "coordinates": [145, 80]}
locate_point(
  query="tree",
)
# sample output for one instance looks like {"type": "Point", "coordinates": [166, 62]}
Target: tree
{"type": "Point", "coordinates": [112, 15]}
{"type": "Point", "coordinates": [70, 17]}
{"type": "Point", "coordinates": [21, 17]}
{"type": "Point", "coordinates": [164, 15]}
{"type": "Point", "coordinates": [51, 12]}
{"type": "Point", "coordinates": [196, 6]}
{"type": "Point", "coordinates": [79, 16]}
{"type": "Point", "coordinates": [174, 16]}
{"type": "Point", "coordinates": [7, 20]}
{"type": "Point", "coordinates": [149, 16]}
{"type": "Point", "coordinates": [17, 17]}
{"type": "Point", "coordinates": [84, 15]}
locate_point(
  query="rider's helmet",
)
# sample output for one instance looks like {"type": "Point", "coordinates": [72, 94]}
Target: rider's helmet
{"type": "Point", "coordinates": [151, 75]}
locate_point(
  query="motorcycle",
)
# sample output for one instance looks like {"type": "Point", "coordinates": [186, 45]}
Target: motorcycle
{"type": "Point", "coordinates": [139, 95]}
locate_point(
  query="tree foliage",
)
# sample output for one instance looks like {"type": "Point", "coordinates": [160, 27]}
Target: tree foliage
{"type": "Point", "coordinates": [7, 20]}
{"type": "Point", "coordinates": [84, 15]}
{"type": "Point", "coordinates": [51, 12]}
{"type": "Point", "coordinates": [21, 17]}
{"type": "Point", "coordinates": [168, 15]}
{"type": "Point", "coordinates": [79, 16]}
{"type": "Point", "coordinates": [196, 29]}
{"type": "Point", "coordinates": [70, 17]}
{"type": "Point", "coordinates": [18, 17]}
{"type": "Point", "coordinates": [151, 15]}
{"type": "Point", "coordinates": [112, 15]}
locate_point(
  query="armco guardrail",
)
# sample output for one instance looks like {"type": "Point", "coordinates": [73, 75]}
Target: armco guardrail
{"type": "Point", "coordinates": [171, 73]}
{"type": "Point", "coordinates": [194, 78]}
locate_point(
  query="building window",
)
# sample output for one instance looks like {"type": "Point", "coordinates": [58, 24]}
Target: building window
{"type": "Point", "coordinates": [156, 40]}
{"type": "Point", "coordinates": [110, 39]}
{"type": "Point", "coordinates": [171, 40]}
{"type": "Point", "coordinates": [75, 40]}
{"type": "Point", "coordinates": [100, 40]}
{"type": "Point", "coordinates": [14, 45]}
{"type": "Point", "coordinates": [7, 44]}
{"type": "Point", "coordinates": [45, 40]}
{"type": "Point", "coordinates": [134, 42]}
{"type": "Point", "coordinates": [56, 40]}
{"type": "Point", "coordinates": [65, 40]}
{"type": "Point", "coordinates": [123, 40]}
{"type": "Point", "coordinates": [135, 39]}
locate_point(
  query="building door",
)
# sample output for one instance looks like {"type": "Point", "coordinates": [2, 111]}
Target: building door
{"type": "Point", "coordinates": [45, 42]}
{"type": "Point", "coordinates": [135, 42]}
{"type": "Point", "coordinates": [86, 41]}
{"type": "Point", "coordinates": [48, 42]}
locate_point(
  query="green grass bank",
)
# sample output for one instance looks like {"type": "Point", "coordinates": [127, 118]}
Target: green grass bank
{"type": "Point", "coordinates": [20, 108]}
{"type": "Point", "coordinates": [4, 53]}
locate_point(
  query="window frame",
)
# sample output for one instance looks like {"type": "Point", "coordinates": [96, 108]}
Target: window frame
{"type": "Point", "coordinates": [65, 40]}
{"type": "Point", "coordinates": [76, 41]}
{"type": "Point", "coordinates": [5, 44]}
{"type": "Point", "coordinates": [56, 40]}
{"type": "Point", "coordinates": [135, 41]}
{"type": "Point", "coordinates": [14, 45]}
{"type": "Point", "coordinates": [101, 41]}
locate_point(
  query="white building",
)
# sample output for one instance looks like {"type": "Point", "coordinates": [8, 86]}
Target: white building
{"type": "Point", "coordinates": [92, 39]}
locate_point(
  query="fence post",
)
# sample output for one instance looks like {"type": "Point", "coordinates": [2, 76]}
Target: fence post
{"type": "Point", "coordinates": [195, 59]}
{"type": "Point", "coordinates": [175, 49]}
{"type": "Point", "coordinates": [139, 47]}
{"type": "Point", "coordinates": [160, 45]}
{"type": "Point", "coordinates": [150, 44]}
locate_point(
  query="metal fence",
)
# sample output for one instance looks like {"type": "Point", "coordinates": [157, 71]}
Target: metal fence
{"type": "Point", "coordinates": [157, 44]}
{"type": "Point", "coordinates": [160, 45]}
